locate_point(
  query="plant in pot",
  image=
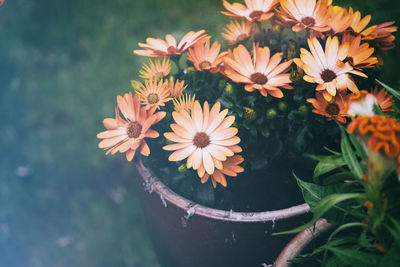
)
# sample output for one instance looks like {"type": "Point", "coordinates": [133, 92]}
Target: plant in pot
{"type": "Point", "coordinates": [245, 111]}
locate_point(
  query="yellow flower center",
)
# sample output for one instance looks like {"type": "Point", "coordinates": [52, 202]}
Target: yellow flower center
{"type": "Point", "coordinates": [258, 78]}
{"type": "Point", "coordinates": [134, 129]}
{"type": "Point", "coordinates": [152, 98]}
{"type": "Point", "coordinates": [308, 21]}
{"type": "Point", "coordinates": [158, 76]}
{"type": "Point", "coordinates": [205, 65]}
{"type": "Point", "coordinates": [328, 76]}
{"type": "Point", "coordinates": [201, 140]}
{"type": "Point", "coordinates": [332, 109]}
{"type": "Point", "coordinates": [255, 15]}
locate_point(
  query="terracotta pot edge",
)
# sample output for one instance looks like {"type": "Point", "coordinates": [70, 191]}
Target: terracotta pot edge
{"type": "Point", "coordinates": [152, 183]}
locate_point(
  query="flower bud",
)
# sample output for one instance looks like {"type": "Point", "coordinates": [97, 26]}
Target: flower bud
{"type": "Point", "coordinates": [291, 51]}
{"type": "Point", "coordinates": [182, 168]}
{"type": "Point", "coordinates": [282, 106]}
{"type": "Point", "coordinates": [303, 109]}
{"type": "Point", "coordinates": [271, 113]}
{"type": "Point", "coordinates": [190, 70]}
{"type": "Point", "coordinates": [249, 113]}
{"type": "Point", "coordinates": [276, 28]}
{"type": "Point", "coordinates": [228, 88]}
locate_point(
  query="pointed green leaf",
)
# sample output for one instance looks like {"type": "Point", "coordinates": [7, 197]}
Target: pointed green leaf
{"type": "Point", "coordinates": [349, 155]}
{"type": "Point", "coordinates": [392, 91]}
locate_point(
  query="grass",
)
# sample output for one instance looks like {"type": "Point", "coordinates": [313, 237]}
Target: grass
{"type": "Point", "coordinates": [63, 203]}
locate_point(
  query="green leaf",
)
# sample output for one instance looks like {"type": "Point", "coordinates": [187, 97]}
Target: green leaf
{"type": "Point", "coordinates": [349, 155]}
{"type": "Point", "coordinates": [353, 257]}
{"type": "Point", "coordinates": [360, 151]}
{"type": "Point", "coordinates": [327, 164]}
{"type": "Point", "coordinates": [338, 178]}
{"type": "Point", "coordinates": [392, 91]}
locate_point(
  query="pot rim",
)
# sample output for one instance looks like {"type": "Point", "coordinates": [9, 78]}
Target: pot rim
{"type": "Point", "coordinates": [152, 183]}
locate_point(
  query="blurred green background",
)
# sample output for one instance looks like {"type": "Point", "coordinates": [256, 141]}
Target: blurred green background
{"type": "Point", "coordinates": [62, 63]}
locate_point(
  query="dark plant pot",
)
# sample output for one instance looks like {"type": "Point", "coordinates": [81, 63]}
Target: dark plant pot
{"type": "Point", "coordinates": [188, 234]}
{"type": "Point", "coordinates": [301, 242]}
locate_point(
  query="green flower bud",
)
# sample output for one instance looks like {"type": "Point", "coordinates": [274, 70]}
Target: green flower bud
{"type": "Point", "coordinates": [271, 113]}
{"type": "Point", "coordinates": [182, 168]}
{"type": "Point", "coordinates": [296, 76]}
{"type": "Point", "coordinates": [282, 106]}
{"type": "Point", "coordinates": [291, 51]}
{"type": "Point", "coordinates": [276, 28]}
{"type": "Point", "coordinates": [303, 109]}
{"type": "Point", "coordinates": [249, 113]}
{"type": "Point", "coordinates": [228, 88]}
{"type": "Point", "coordinates": [190, 70]}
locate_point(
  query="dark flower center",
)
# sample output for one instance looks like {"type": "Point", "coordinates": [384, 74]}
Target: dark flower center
{"type": "Point", "coordinates": [134, 129]}
{"type": "Point", "coordinates": [241, 38]}
{"type": "Point", "coordinates": [308, 21]}
{"type": "Point", "coordinates": [201, 140]}
{"type": "Point", "coordinates": [171, 50]}
{"type": "Point", "coordinates": [205, 65]}
{"type": "Point", "coordinates": [328, 75]}
{"type": "Point", "coordinates": [152, 98]}
{"type": "Point", "coordinates": [332, 109]}
{"type": "Point", "coordinates": [258, 78]}
{"type": "Point", "coordinates": [256, 14]}
{"type": "Point", "coordinates": [349, 59]}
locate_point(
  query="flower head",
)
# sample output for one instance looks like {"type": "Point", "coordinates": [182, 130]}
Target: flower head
{"type": "Point", "coordinates": [205, 57]}
{"type": "Point", "coordinates": [254, 10]}
{"type": "Point", "coordinates": [333, 110]}
{"type": "Point", "coordinates": [230, 167]}
{"type": "Point", "coordinates": [306, 14]}
{"type": "Point", "coordinates": [238, 33]}
{"type": "Point", "coordinates": [153, 94]}
{"type": "Point", "coordinates": [156, 70]}
{"type": "Point", "coordinates": [204, 137]}
{"type": "Point", "coordinates": [184, 103]}
{"type": "Point", "coordinates": [381, 37]}
{"type": "Point", "coordinates": [359, 55]}
{"type": "Point", "coordinates": [176, 88]}
{"type": "Point", "coordinates": [326, 67]}
{"type": "Point", "coordinates": [127, 135]}
{"type": "Point", "coordinates": [384, 101]}
{"type": "Point", "coordinates": [361, 104]}
{"type": "Point", "coordinates": [160, 48]}
{"type": "Point", "coordinates": [260, 71]}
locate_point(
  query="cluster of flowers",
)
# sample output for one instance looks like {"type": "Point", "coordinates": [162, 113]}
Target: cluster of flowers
{"type": "Point", "coordinates": [202, 134]}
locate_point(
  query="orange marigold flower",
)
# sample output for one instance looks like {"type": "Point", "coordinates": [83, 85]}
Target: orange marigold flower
{"type": "Point", "coordinates": [334, 110]}
{"type": "Point", "coordinates": [306, 14]}
{"type": "Point", "coordinates": [230, 167]}
{"type": "Point", "coordinates": [160, 48]}
{"type": "Point", "coordinates": [255, 10]}
{"type": "Point", "coordinates": [184, 103]}
{"type": "Point", "coordinates": [176, 88]}
{"type": "Point", "coordinates": [127, 135]}
{"type": "Point", "coordinates": [260, 71]}
{"type": "Point", "coordinates": [156, 70]}
{"type": "Point", "coordinates": [359, 55]}
{"type": "Point", "coordinates": [205, 57]}
{"type": "Point", "coordinates": [326, 67]}
{"type": "Point", "coordinates": [204, 137]}
{"type": "Point", "coordinates": [383, 133]}
{"type": "Point", "coordinates": [153, 94]}
{"type": "Point", "coordinates": [238, 33]}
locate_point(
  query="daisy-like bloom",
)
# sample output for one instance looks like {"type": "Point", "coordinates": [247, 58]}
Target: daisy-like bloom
{"type": "Point", "coordinates": [362, 104]}
{"type": "Point", "coordinates": [204, 137]}
{"type": "Point", "coordinates": [254, 10]}
{"type": "Point", "coordinates": [230, 168]}
{"type": "Point", "coordinates": [359, 24]}
{"type": "Point", "coordinates": [306, 14]}
{"type": "Point", "coordinates": [160, 48]}
{"type": "Point", "coordinates": [127, 135]}
{"type": "Point", "coordinates": [334, 110]}
{"type": "Point", "coordinates": [153, 94]}
{"type": "Point", "coordinates": [205, 57]}
{"type": "Point", "coordinates": [176, 88]}
{"type": "Point", "coordinates": [184, 103]}
{"type": "Point", "coordinates": [326, 67]}
{"type": "Point", "coordinates": [156, 70]}
{"type": "Point", "coordinates": [339, 19]}
{"type": "Point", "coordinates": [359, 55]}
{"type": "Point", "coordinates": [238, 33]}
{"type": "Point", "coordinates": [379, 134]}
{"type": "Point", "coordinates": [381, 37]}
{"type": "Point", "coordinates": [260, 71]}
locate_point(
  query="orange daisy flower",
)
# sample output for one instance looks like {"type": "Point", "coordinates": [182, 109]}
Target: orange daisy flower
{"type": "Point", "coordinates": [339, 19]}
{"type": "Point", "coordinates": [230, 167]}
{"type": "Point", "coordinates": [255, 10]}
{"type": "Point", "coordinates": [260, 71]}
{"type": "Point", "coordinates": [184, 103]}
{"type": "Point", "coordinates": [326, 67]}
{"type": "Point", "coordinates": [359, 24]}
{"type": "Point", "coordinates": [334, 110]}
{"type": "Point", "coordinates": [359, 55]}
{"type": "Point", "coordinates": [156, 70]}
{"type": "Point", "coordinates": [169, 47]}
{"type": "Point", "coordinates": [153, 94]}
{"type": "Point", "coordinates": [362, 104]}
{"type": "Point", "coordinates": [382, 134]}
{"type": "Point", "coordinates": [127, 135]}
{"type": "Point", "coordinates": [381, 37]}
{"type": "Point", "coordinates": [384, 101]}
{"type": "Point", "coordinates": [176, 88]}
{"type": "Point", "coordinates": [204, 137]}
{"type": "Point", "coordinates": [306, 14]}
{"type": "Point", "coordinates": [205, 57]}
{"type": "Point", "coordinates": [238, 33]}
